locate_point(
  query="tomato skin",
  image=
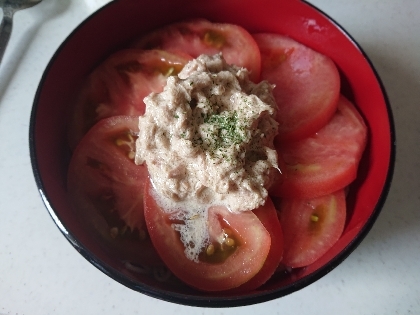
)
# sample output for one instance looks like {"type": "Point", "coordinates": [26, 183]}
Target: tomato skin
{"type": "Point", "coordinates": [243, 264]}
{"type": "Point", "coordinates": [199, 36]}
{"type": "Point", "coordinates": [119, 85]}
{"type": "Point", "coordinates": [105, 188]}
{"type": "Point", "coordinates": [311, 227]}
{"type": "Point", "coordinates": [328, 160]}
{"type": "Point", "coordinates": [307, 85]}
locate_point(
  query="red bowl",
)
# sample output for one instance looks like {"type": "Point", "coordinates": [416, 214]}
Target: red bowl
{"type": "Point", "coordinates": [114, 26]}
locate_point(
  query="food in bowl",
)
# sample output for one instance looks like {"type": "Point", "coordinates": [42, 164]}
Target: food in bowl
{"type": "Point", "coordinates": [110, 30]}
{"type": "Point", "coordinates": [207, 144]}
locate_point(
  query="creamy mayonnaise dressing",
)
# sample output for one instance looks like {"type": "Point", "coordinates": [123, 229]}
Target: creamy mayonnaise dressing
{"type": "Point", "coordinates": [208, 139]}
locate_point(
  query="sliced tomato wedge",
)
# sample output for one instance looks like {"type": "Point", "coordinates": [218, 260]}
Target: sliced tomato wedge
{"type": "Point", "coordinates": [106, 189]}
{"type": "Point", "coordinates": [199, 36]}
{"type": "Point", "coordinates": [307, 85]}
{"type": "Point", "coordinates": [222, 265]}
{"type": "Point", "coordinates": [328, 160]}
{"type": "Point", "coordinates": [311, 227]}
{"type": "Point", "coordinates": [119, 85]}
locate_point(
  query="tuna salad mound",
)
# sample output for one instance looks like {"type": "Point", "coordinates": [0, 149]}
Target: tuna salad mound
{"type": "Point", "coordinates": [208, 137]}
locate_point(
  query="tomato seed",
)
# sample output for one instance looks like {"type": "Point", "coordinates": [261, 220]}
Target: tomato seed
{"type": "Point", "coordinates": [210, 250]}
{"type": "Point", "coordinates": [169, 72]}
{"type": "Point", "coordinates": [230, 241]}
{"type": "Point", "coordinates": [314, 218]}
{"type": "Point", "coordinates": [120, 142]}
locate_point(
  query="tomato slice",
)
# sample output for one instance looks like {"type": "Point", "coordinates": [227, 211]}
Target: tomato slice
{"type": "Point", "coordinates": [119, 85]}
{"type": "Point", "coordinates": [199, 36]}
{"type": "Point", "coordinates": [221, 266]}
{"type": "Point", "coordinates": [307, 85]}
{"type": "Point", "coordinates": [311, 227]}
{"type": "Point", "coordinates": [326, 161]}
{"type": "Point", "coordinates": [106, 189]}
{"type": "Point", "coordinates": [267, 214]}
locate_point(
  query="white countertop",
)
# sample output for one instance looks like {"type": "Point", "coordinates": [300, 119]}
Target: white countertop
{"type": "Point", "coordinates": [41, 273]}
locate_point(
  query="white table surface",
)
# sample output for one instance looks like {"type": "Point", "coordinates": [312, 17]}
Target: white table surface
{"type": "Point", "coordinates": [41, 273]}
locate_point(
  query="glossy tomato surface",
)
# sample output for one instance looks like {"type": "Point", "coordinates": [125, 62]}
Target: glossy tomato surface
{"type": "Point", "coordinates": [307, 85]}
{"type": "Point", "coordinates": [327, 160]}
{"type": "Point", "coordinates": [311, 227]}
{"type": "Point", "coordinates": [116, 25]}
{"type": "Point", "coordinates": [200, 36]}
{"type": "Point", "coordinates": [267, 214]}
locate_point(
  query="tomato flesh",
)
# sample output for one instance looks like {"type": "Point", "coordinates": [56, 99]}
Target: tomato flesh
{"type": "Point", "coordinates": [311, 227]}
{"type": "Point", "coordinates": [119, 85]}
{"type": "Point", "coordinates": [251, 241]}
{"type": "Point", "coordinates": [326, 161]}
{"type": "Point", "coordinates": [105, 188]}
{"type": "Point", "coordinates": [307, 85]}
{"type": "Point", "coordinates": [199, 36]}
